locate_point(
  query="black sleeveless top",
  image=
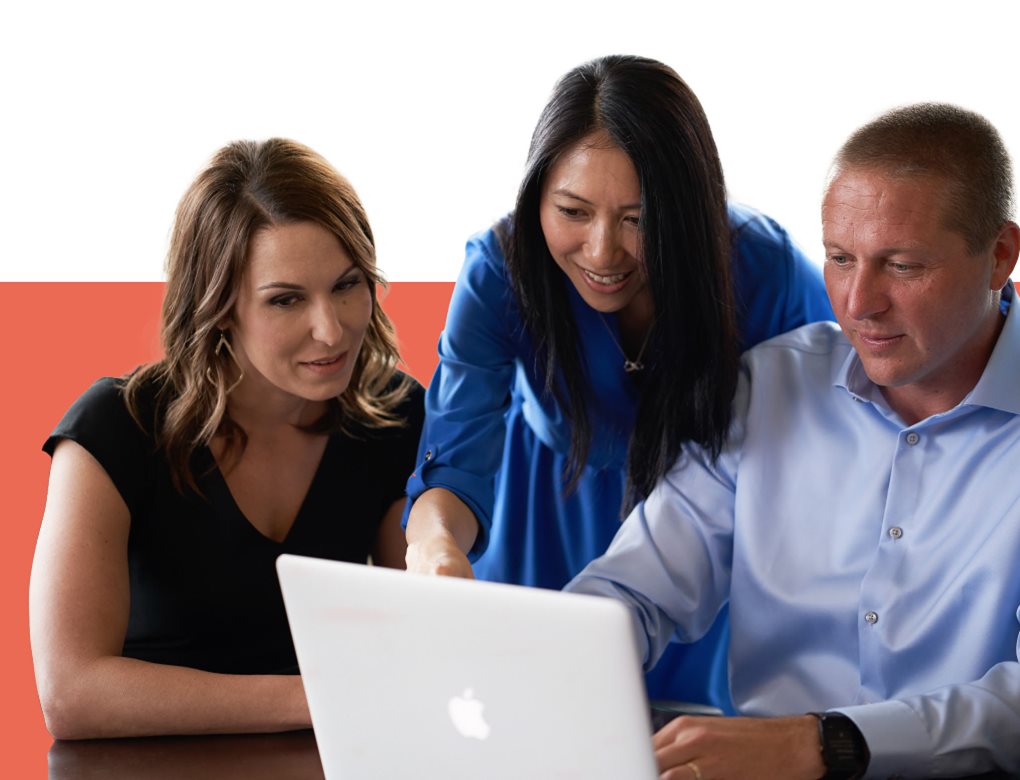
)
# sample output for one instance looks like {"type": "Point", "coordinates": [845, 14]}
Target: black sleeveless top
{"type": "Point", "coordinates": [204, 592]}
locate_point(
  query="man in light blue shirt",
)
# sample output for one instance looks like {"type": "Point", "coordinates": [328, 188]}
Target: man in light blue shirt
{"type": "Point", "coordinates": [863, 521]}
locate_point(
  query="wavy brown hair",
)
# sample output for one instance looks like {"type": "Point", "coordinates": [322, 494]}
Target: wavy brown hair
{"type": "Point", "coordinates": [249, 186]}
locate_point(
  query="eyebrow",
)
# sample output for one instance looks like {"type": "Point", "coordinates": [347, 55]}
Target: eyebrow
{"type": "Point", "coordinates": [569, 194]}
{"type": "Point", "coordinates": [298, 287]}
{"type": "Point", "coordinates": [883, 252]}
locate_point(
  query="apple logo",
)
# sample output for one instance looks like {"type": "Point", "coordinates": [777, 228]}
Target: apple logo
{"type": "Point", "coordinates": [466, 714]}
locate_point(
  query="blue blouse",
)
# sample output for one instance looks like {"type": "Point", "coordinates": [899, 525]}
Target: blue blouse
{"type": "Point", "coordinates": [493, 438]}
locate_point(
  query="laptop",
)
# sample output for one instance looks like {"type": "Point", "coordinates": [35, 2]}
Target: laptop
{"type": "Point", "coordinates": [409, 676]}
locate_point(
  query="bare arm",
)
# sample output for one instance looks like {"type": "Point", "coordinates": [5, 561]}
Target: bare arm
{"type": "Point", "coordinates": [390, 542]}
{"type": "Point", "coordinates": [78, 607]}
{"type": "Point", "coordinates": [440, 531]}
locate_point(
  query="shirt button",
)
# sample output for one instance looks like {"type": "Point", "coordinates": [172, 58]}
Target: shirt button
{"type": "Point", "coordinates": [913, 438]}
{"type": "Point", "coordinates": [871, 617]}
{"type": "Point", "coordinates": [896, 532]}
{"type": "Point", "coordinates": [428, 454]}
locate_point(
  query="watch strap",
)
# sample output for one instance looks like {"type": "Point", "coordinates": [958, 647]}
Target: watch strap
{"type": "Point", "coordinates": [844, 750]}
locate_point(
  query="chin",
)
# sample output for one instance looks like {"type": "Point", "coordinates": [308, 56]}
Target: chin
{"type": "Point", "coordinates": [327, 393]}
{"type": "Point", "coordinates": [317, 393]}
{"type": "Point", "coordinates": [604, 303]}
{"type": "Point", "coordinates": [884, 376]}
{"type": "Point", "coordinates": [604, 307]}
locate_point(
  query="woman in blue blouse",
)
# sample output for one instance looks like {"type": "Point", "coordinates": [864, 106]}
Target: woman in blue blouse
{"type": "Point", "coordinates": [591, 335]}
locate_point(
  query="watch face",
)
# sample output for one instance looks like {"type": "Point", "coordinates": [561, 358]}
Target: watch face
{"type": "Point", "coordinates": [844, 750]}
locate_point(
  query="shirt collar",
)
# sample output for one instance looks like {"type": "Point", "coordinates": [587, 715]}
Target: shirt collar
{"type": "Point", "coordinates": [997, 387]}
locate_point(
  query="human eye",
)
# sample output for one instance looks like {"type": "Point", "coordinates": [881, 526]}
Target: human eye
{"type": "Point", "coordinates": [838, 260]}
{"type": "Point", "coordinates": [348, 282]}
{"type": "Point", "coordinates": [902, 268]}
{"type": "Point", "coordinates": [285, 301]}
{"type": "Point", "coordinates": [570, 212]}
{"type": "Point", "coordinates": [633, 220]}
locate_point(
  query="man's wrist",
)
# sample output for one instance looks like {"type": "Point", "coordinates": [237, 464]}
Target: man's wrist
{"type": "Point", "coordinates": [844, 750]}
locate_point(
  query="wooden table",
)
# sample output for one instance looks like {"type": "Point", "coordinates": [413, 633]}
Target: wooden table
{"type": "Point", "coordinates": [291, 755]}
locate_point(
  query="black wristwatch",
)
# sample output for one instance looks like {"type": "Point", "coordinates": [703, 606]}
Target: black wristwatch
{"type": "Point", "coordinates": [844, 750]}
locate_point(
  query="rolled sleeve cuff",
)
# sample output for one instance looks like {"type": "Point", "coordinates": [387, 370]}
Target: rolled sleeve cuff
{"type": "Point", "coordinates": [897, 738]}
{"type": "Point", "coordinates": [430, 474]}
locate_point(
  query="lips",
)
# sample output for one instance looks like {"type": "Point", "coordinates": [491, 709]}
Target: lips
{"type": "Point", "coordinates": [608, 280]}
{"type": "Point", "coordinates": [326, 366]}
{"type": "Point", "coordinates": [878, 340]}
{"type": "Point", "coordinates": [603, 284]}
{"type": "Point", "coordinates": [326, 361]}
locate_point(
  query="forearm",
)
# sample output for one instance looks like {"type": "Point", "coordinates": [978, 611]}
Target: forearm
{"type": "Point", "coordinates": [441, 529]}
{"type": "Point", "coordinates": [119, 697]}
{"type": "Point", "coordinates": [667, 596]}
{"type": "Point", "coordinates": [439, 513]}
{"type": "Point", "coordinates": [759, 748]}
{"type": "Point", "coordinates": [79, 605]}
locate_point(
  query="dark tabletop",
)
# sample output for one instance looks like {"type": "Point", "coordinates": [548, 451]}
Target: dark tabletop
{"type": "Point", "coordinates": [291, 755]}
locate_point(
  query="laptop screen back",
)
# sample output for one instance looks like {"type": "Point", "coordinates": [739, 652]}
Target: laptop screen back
{"type": "Point", "coordinates": [412, 676]}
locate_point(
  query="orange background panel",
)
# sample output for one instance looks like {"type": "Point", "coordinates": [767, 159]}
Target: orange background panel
{"type": "Point", "coordinates": [56, 339]}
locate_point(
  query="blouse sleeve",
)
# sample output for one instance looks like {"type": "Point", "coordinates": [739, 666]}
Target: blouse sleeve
{"type": "Point", "coordinates": [777, 287]}
{"type": "Point", "coordinates": [100, 422]}
{"type": "Point", "coordinates": [462, 442]}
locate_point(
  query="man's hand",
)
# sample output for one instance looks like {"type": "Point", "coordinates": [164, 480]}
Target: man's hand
{"type": "Point", "coordinates": [733, 748]}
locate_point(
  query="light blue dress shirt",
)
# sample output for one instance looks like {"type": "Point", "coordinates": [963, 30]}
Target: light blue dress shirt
{"type": "Point", "coordinates": [869, 566]}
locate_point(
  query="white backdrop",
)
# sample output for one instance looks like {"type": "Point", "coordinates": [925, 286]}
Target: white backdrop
{"type": "Point", "coordinates": [107, 109]}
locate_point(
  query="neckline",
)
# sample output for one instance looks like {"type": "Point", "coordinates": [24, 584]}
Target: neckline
{"type": "Point", "coordinates": [221, 497]}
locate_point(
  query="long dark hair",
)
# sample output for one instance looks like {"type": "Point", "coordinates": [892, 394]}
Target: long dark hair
{"type": "Point", "coordinates": [692, 356]}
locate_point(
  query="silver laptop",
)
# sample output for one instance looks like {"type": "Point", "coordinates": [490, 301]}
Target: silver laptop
{"type": "Point", "coordinates": [433, 677]}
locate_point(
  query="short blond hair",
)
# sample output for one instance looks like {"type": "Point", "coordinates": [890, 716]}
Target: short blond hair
{"type": "Point", "coordinates": [942, 140]}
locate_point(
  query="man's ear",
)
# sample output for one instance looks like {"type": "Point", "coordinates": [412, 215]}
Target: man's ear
{"type": "Point", "coordinates": [1005, 251]}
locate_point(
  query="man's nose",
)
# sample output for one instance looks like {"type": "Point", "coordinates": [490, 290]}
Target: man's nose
{"type": "Point", "coordinates": [867, 295]}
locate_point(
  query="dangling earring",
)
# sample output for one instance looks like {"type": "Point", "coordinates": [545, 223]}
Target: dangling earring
{"type": "Point", "coordinates": [221, 345]}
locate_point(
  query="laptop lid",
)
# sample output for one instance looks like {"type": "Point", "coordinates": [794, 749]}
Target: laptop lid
{"type": "Point", "coordinates": [414, 676]}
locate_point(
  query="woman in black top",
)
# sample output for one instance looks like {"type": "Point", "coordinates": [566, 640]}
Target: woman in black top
{"type": "Point", "coordinates": [277, 422]}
